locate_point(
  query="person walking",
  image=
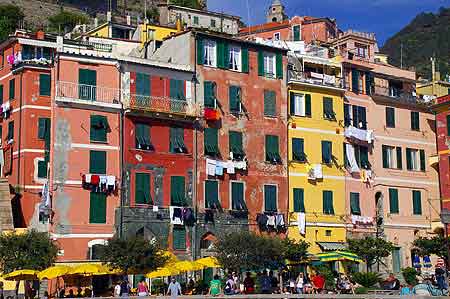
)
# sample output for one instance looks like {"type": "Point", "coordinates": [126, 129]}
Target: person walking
{"type": "Point", "coordinates": [117, 289]}
{"type": "Point", "coordinates": [174, 289]}
{"type": "Point", "coordinates": [299, 283]}
{"type": "Point", "coordinates": [142, 288]}
{"type": "Point", "coordinates": [230, 286]}
{"type": "Point", "coordinates": [215, 288]}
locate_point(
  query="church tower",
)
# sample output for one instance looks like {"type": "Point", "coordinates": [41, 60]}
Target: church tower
{"type": "Point", "coordinates": [276, 12]}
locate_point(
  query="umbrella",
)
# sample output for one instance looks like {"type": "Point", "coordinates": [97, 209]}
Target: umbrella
{"type": "Point", "coordinates": [185, 266]}
{"type": "Point", "coordinates": [54, 272]}
{"type": "Point", "coordinates": [209, 262]}
{"type": "Point", "coordinates": [22, 275]}
{"type": "Point", "coordinates": [163, 272]}
{"type": "Point", "coordinates": [338, 256]}
{"type": "Point", "coordinates": [88, 269]}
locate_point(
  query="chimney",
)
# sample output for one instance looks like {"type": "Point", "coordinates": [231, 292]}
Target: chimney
{"type": "Point", "coordinates": [95, 22]}
{"type": "Point", "coordinates": [40, 34]}
{"type": "Point", "coordinates": [109, 17]}
{"type": "Point", "coordinates": [128, 20]}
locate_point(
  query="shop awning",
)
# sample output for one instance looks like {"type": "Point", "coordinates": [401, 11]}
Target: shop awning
{"type": "Point", "coordinates": [339, 256]}
{"type": "Point", "coordinates": [331, 246]}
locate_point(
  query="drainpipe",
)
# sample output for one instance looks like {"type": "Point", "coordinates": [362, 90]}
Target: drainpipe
{"type": "Point", "coordinates": [194, 176]}
{"type": "Point", "coordinates": [20, 131]}
{"type": "Point", "coordinates": [123, 172]}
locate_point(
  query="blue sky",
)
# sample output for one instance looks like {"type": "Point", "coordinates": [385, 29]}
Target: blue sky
{"type": "Point", "coordinates": [384, 17]}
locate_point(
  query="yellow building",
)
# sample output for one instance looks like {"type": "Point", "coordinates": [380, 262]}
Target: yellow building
{"type": "Point", "coordinates": [316, 165]}
{"type": "Point", "coordinates": [436, 87]}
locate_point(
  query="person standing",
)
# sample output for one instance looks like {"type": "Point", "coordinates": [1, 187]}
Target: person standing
{"type": "Point", "coordinates": [124, 288]}
{"type": "Point", "coordinates": [142, 288]}
{"type": "Point", "coordinates": [299, 283]}
{"type": "Point", "coordinates": [249, 284]}
{"type": "Point", "coordinates": [174, 289]}
{"type": "Point", "coordinates": [117, 289]}
{"type": "Point", "coordinates": [230, 286]}
{"type": "Point", "coordinates": [266, 283]}
{"type": "Point", "coordinates": [215, 288]}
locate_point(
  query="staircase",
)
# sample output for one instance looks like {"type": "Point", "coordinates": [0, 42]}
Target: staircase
{"type": "Point", "coordinates": [6, 216]}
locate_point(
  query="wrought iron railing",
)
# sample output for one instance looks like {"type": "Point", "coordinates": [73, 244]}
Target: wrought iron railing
{"type": "Point", "coordinates": [88, 93]}
{"type": "Point", "coordinates": [319, 79]}
{"type": "Point", "coordinates": [161, 104]}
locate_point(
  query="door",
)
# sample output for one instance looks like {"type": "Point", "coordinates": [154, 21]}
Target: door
{"type": "Point", "coordinates": [396, 260]}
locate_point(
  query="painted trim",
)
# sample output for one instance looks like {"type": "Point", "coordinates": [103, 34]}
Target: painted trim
{"type": "Point", "coordinates": [64, 56]}
{"type": "Point", "coordinates": [35, 42]}
{"type": "Point", "coordinates": [333, 177]}
{"type": "Point", "coordinates": [32, 107]}
{"type": "Point", "coordinates": [84, 236]}
{"type": "Point", "coordinates": [391, 179]}
{"type": "Point", "coordinates": [95, 146]}
{"type": "Point", "coordinates": [322, 224]}
{"type": "Point", "coordinates": [403, 140]}
{"type": "Point", "coordinates": [33, 186]}
{"type": "Point", "coordinates": [29, 150]}
{"type": "Point", "coordinates": [97, 242]}
{"type": "Point", "coordinates": [358, 99]}
{"type": "Point", "coordinates": [444, 152]}
{"type": "Point", "coordinates": [73, 182]}
{"type": "Point", "coordinates": [6, 76]}
{"type": "Point", "coordinates": [315, 130]}
{"type": "Point", "coordinates": [405, 225]}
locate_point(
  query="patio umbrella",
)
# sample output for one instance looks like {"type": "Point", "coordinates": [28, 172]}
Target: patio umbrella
{"type": "Point", "coordinates": [54, 272]}
{"type": "Point", "coordinates": [87, 269]}
{"type": "Point", "coordinates": [163, 272]}
{"type": "Point", "coordinates": [186, 266]}
{"type": "Point", "coordinates": [338, 256]}
{"type": "Point", "coordinates": [25, 274]}
{"type": "Point", "coordinates": [209, 262]}
{"type": "Point", "coordinates": [172, 258]}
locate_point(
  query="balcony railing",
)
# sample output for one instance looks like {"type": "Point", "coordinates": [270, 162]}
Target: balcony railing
{"type": "Point", "coordinates": [161, 104]}
{"type": "Point", "coordinates": [87, 93]}
{"type": "Point", "coordinates": [315, 78]}
{"type": "Point", "coordinates": [397, 94]}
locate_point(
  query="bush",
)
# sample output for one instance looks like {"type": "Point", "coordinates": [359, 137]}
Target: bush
{"type": "Point", "coordinates": [410, 275]}
{"type": "Point", "coordinates": [361, 290]}
{"type": "Point", "coordinates": [65, 21]}
{"type": "Point", "coordinates": [368, 279]}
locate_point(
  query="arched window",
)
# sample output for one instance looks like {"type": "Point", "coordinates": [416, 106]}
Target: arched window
{"type": "Point", "coordinates": [95, 247]}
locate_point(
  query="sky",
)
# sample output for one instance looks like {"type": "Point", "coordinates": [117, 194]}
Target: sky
{"type": "Point", "coordinates": [384, 17]}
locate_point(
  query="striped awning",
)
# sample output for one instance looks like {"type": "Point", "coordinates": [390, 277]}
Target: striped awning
{"type": "Point", "coordinates": [339, 256]}
{"type": "Point", "coordinates": [331, 246]}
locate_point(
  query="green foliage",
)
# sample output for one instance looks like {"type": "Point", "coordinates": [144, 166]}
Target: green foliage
{"type": "Point", "coordinates": [65, 21]}
{"type": "Point", "coordinates": [434, 245]}
{"type": "Point", "coordinates": [367, 279]}
{"type": "Point", "coordinates": [295, 251]}
{"type": "Point", "coordinates": [361, 290]}
{"type": "Point", "coordinates": [152, 15]}
{"type": "Point", "coordinates": [186, 3]}
{"type": "Point", "coordinates": [132, 255]}
{"type": "Point", "coordinates": [30, 250]}
{"type": "Point", "coordinates": [370, 249]}
{"type": "Point", "coordinates": [10, 16]}
{"type": "Point", "coordinates": [410, 275]}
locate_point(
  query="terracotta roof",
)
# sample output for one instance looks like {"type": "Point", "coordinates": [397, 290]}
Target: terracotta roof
{"type": "Point", "coordinates": [265, 27]}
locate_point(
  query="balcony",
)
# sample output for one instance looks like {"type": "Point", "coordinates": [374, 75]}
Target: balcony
{"type": "Point", "coordinates": [70, 93]}
{"type": "Point", "coordinates": [315, 79]}
{"type": "Point", "coordinates": [397, 95]}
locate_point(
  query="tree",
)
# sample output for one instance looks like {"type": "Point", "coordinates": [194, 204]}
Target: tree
{"type": "Point", "coordinates": [435, 245]}
{"type": "Point", "coordinates": [186, 3]}
{"type": "Point", "coordinates": [371, 250]}
{"type": "Point", "coordinates": [132, 255]}
{"type": "Point", "coordinates": [65, 21]}
{"type": "Point", "coordinates": [30, 250]}
{"type": "Point", "coordinates": [295, 251]}
{"type": "Point", "coordinates": [10, 16]}
{"type": "Point", "coordinates": [247, 251]}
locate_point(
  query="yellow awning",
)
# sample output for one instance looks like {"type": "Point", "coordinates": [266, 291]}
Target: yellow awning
{"type": "Point", "coordinates": [209, 262]}
{"type": "Point", "coordinates": [54, 272]}
{"type": "Point", "coordinates": [22, 275]}
{"type": "Point", "coordinates": [163, 272]}
{"type": "Point", "coordinates": [185, 266]}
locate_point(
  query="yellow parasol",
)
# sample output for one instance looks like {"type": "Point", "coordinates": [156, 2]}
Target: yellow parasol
{"type": "Point", "coordinates": [22, 275]}
{"type": "Point", "coordinates": [54, 272]}
{"type": "Point", "coordinates": [209, 262]}
{"type": "Point", "coordinates": [185, 266]}
{"type": "Point", "coordinates": [163, 272]}
{"type": "Point", "coordinates": [87, 269]}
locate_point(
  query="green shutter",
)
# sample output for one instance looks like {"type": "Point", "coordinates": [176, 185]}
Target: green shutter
{"type": "Point", "coordinates": [44, 84]}
{"type": "Point", "coordinates": [399, 158]}
{"type": "Point", "coordinates": [211, 141]}
{"type": "Point", "coordinates": [299, 200]}
{"type": "Point", "coordinates": [237, 196]}
{"type": "Point", "coordinates": [385, 156]}
{"type": "Point", "coordinates": [393, 201]}
{"type": "Point", "coordinates": [296, 31]}
{"type": "Point", "coordinates": [354, 204]}
{"type": "Point", "coordinates": [415, 121]}
{"type": "Point", "coordinates": [176, 143]}
{"type": "Point", "coordinates": [269, 103]}
{"type": "Point", "coordinates": [369, 82]}
{"type": "Point", "coordinates": [422, 160]}
{"type": "Point", "coordinates": [328, 208]}
{"type": "Point", "coordinates": [409, 165]}
{"type": "Point", "coordinates": [143, 84]}
{"type": "Point", "coordinates": [12, 89]}
{"type": "Point", "coordinates": [390, 117]}
{"type": "Point", "coordinates": [347, 118]}
{"type": "Point", "coordinates": [327, 152]}
{"type": "Point", "coordinates": [292, 103]}
{"type": "Point", "coordinates": [234, 95]}
{"type": "Point", "coordinates": [10, 130]}
{"type": "Point", "coordinates": [142, 133]}
{"type": "Point", "coordinates": [221, 48]}
{"type": "Point", "coordinates": [362, 117]}
{"type": "Point", "coordinates": [200, 51]}
{"type": "Point", "coordinates": [211, 194]}
{"type": "Point", "coordinates": [179, 238]}
{"type": "Point", "coordinates": [272, 149]}
{"type": "Point", "coordinates": [244, 53]}
{"type": "Point", "coordinates": [87, 80]}
{"type": "Point", "coordinates": [142, 189]}
{"type": "Point", "coordinates": [308, 105]}
{"type": "Point", "coordinates": [196, 21]}
{"type": "Point", "coordinates": [42, 169]}
{"type": "Point", "coordinates": [279, 65]}
{"type": "Point", "coordinates": [177, 191]}
{"type": "Point", "coordinates": [355, 81]}
{"type": "Point", "coordinates": [270, 198]}
{"type": "Point", "coordinates": [97, 208]}
{"type": "Point", "coordinates": [99, 128]}
{"type": "Point", "coordinates": [417, 202]}
{"type": "Point", "coordinates": [298, 150]}
{"type": "Point", "coordinates": [1, 94]}
{"type": "Point", "coordinates": [43, 127]}
{"type": "Point", "coordinates": [261, 63]}
{"type": "Point", "coordinates": [209, 96]}
{"type": "Point", "coordinates": [448, 125]}
{"type": "Point", "coordinates": [328, 112]}
{"type": "Point", "coordinates": [235, 144]}
{"type": "Point", "coordinates": [97, 162]}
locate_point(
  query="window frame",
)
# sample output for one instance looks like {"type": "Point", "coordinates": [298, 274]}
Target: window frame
{"type": "Point", "coordinates": [206, 206]}
{"type": "Point", "coordinates": [388, 123]}
{"type": "Point", "coordinates": [270, 59]}
{"type": "Point", "coordinates": [232, 206]}
{"type": "Point", "coordinates": [415, 121]}
{"type": "Point", "coordinates": [276, 197]}
{"type": "Point", "coordinates": [235, 51]}
{"type": "Point", "coordinates": [209, 53]}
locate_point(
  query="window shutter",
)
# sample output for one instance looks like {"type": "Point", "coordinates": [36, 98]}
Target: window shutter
{"type": "Point", "coordinates": [355, 81]}
{"type": "Point", "coordinates": [279, 65]}
{"type": "Point", "coordinates": [296, 31]}
{"type": "Point", "coordinates": [448, 125]}
{"type": "Point", "coordinates": [97, 162]}
{"type": "Point", "coordinates": [179, 238]}
{"type": "Point", "coordinates": [328, 112]}
{"type": "Point", "coordinates": [308, 105]}
{"type": "Point", "coordinates": [292, 103]}
{"type": "Point", "coordinates": [143, 85]}
{"type": "Point", "coordinates": [272, 149]}
{"type": "Point", "coordinates": [11, 130]}
{"type": "Point", "coordinates": [328, 208]}
{"type": "Point", "coordinates": [385, 156]}
{"type": "Point", "coordinates": [244, 53]}
{"type": "Point", "coordinates": [142, 189]}
{"type": "Point", "coordinates": [211, 141]}
{"type": "Point", "coordinates": [99, 128]}
{"type": "Point", "coordinates": [422, 160]}
{"type": "Point", "coordinates": [209, 97]}
{"type": "Point", "coordinates": [269, 103]}
{"type": "Point", "coordinates": [1, 94]}
{"type": "Point", "coordinates": [347, 117]}
{"type": "Point", "coordinates": [225, 55]}
{"type": "Point", "coordinates": [234, 92]}
{"type": "Point", "coordinates": [87, 80]}
{"type": "Point", "coordinates": [409, 165]}
{"type": "Point", "coordinates": [393, 201]}
{"type": "Point", "coordinates": [390, 117]}
{"type": "Point", "coordinates": [261, 63]}
{"type": "Point", "coordinates": [142, 133]}
{"type": "Point", "coordinates": [299, 200]}
{"type": "Point", "coordinates": [42, 127]}
{"type": "Point", "coordinates": [44, 84]}
{"type": "Point", "coordinates": [237, 196]}
{"type": "Point", "coordinates": [235, 144]}
{"type": "Point", "coordinates": [364, 156]}
{"type": "Point", "coordinates": [354, 203]}
{"type": "Point", "coordinates": [326, 152]}
{"type": "Point", "coordinates": [368, 78]}
{"type": "Point", "coordinates": [200, 51]}
{"type": "Point", "coordinates": [42, 169]}
{"type": "Point", "coordinates": [298, 153]}
{"type": "Point", "coordinates": [12, 89]}
{"type": "Point", "coordinates": [362, 117]}
{"type": "Point", "coordinates": [270, 198]}
{"type": "Point", "coordinates": [177, 191]}
{"type": "Point", "coordinates": [417, 202]}
{"type": "Point", "coordinates": [415, 121]}
{"type": "Point", "coordinates": [211, 194]}
{"type": "Point", "coordinates": [399, 158]}
{"type": "Point", "coordinates": [97, 208]}
{"type": "Point", "coordinates": [220, 49]}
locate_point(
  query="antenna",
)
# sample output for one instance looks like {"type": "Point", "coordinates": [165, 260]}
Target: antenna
{"type": "Point", "coordinates": [401, 55]}
{"type": "Point", "coordinates": [145, 9]}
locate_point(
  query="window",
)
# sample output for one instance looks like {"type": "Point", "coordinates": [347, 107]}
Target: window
{"type": "Point", "coordinates": [328, 233]}
{"type": "Point", "coordinates": [354, 204]}
{"type": "Point", "coordinates": [1, 94]}
{"type": "Point", "coordinates": [355, 116]}
{"type": "Point", "coordinates": [362, 156]}
{"type": "Point", "coordinates": [300, 104]}
{"type": "Point", "coordinates": [177, 93]}
{"type": "Point", "coordinates": [212, 194]}
{"type": "Point", "coordinates": [177, 191]}
{"type": "Point", "coordinates": [362, 50]}
{"type": "Point", "coordinates": [299, 200]}
{"type": "Point", "coordinates": [355, 81]}
{"type": "Point", "coordinates": [10, 135]}
{"type": "Point", "coordinates": [327, 198]}
{"type": "Point", "coordinates": [328, 112]}
{"type": "Point", "coordinates": [270, 65]}
{"type": "Point", "coordinates": [210, 89]}
{"type": "Point", "coordinates": [209, 53]}
{"type": "Point", "coordinates": [211, 142]}
{"type": "Point", "coordinates": [417, 202]}
{"type": "Point", "coordinates": [298, 150]}
{"type": "Point", "coordinates": [213, 23]}
{"type": "Point", "coordinates": [42, 169]}
{"type": "Point", "coordinates": [448, 125]}
{"type": "Point", "coordinates": [392, 157]}
{"type": "Point", "coordinates": [177, 141]}
{"type": "Point", "coordinates": [235, 59]}
{"type": "Point", "coordinates": [235, 99]}
{"type": "Point", "coordinates": [415, 121]}
{"type": "Point", "coordinates": [327, 152]}
{"type": "Point", "coordinates": [179, 238]}
{"type": "Point", "coordinates": [143, 141]}
{"type": "Point", "coordinates": [270, 198]}
{"type": "Point", "coordinates": [97, 162]}
{"type": "Point", "coordinates": [296, 33]}
{"type": "Point", "coordinates": [99, 128]}
{"type": "Point", "coordinates": [142, 189]}
{"type": "Point", "coordinates": [393, 201]}
{"type": "Point", "coordinates": [142, 86]}
{"type": "Point", "coordinates": [390, 117]}
{"type": "Point", "coordinates": [277, 36]}
{"type": "Point", "coordinates": [97, 208]}
{"type": "Point", "coordinates": [272, 149]}
{"type": "Point", "coordinates": [44, 84]}
{"type": "Point", "coordinates": [87, 80]}
{"type": "Point", "coordinates": [370, 83]}
{"type": "Point", "coordinates": [235, 145]}
{"type": "Point", "coordinates": [415, 159]}
{"type": "Point", "coordinates": [270, 103]}
{"type": "Point", "coordinates": [12, 89]}
{"type": "Point", "coordinates": [195, 20]}
{"type": "Point", "coordinates": [237, 196]}
{"type": "Point", "coordinates": [43, 128]}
